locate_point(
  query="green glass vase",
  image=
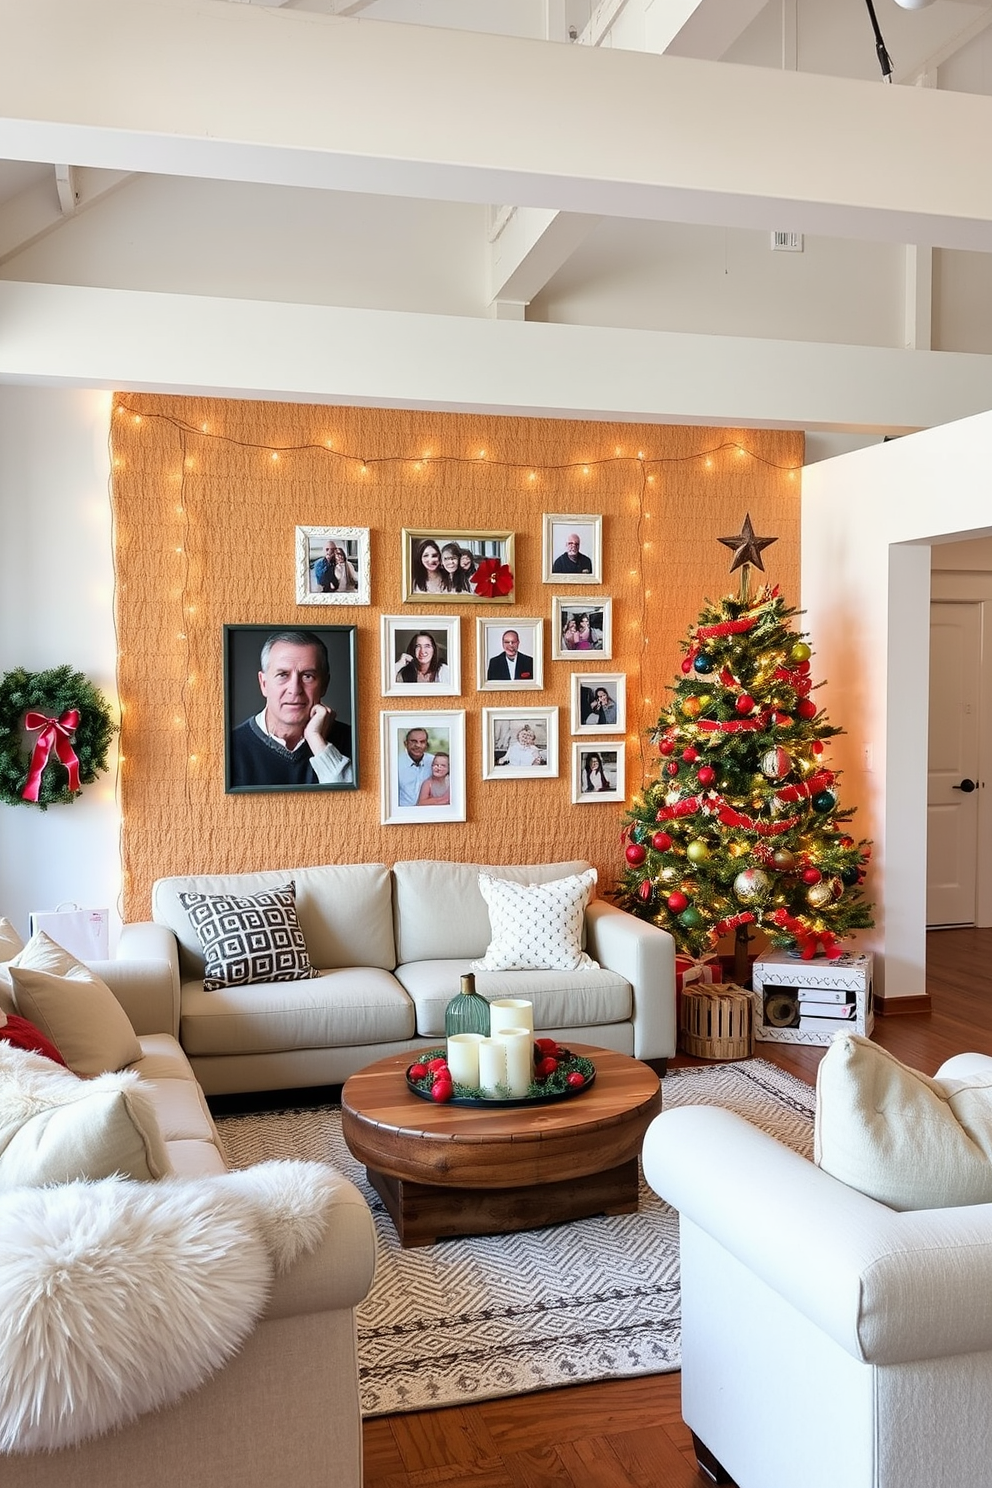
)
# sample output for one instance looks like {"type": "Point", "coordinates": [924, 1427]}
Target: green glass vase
{"type": "Point", "coordinates": [467, 1012]}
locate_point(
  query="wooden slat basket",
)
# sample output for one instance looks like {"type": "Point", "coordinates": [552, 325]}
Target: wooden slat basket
{"type": "Point", "coordinates": [715, 1022]}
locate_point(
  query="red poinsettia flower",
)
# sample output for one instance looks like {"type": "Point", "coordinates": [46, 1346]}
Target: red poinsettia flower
{"type": "Point", "coordinates": [492, 578]}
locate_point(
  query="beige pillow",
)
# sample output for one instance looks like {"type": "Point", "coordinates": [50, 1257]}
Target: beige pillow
{"type": "Point", "coordinates": [55, 1127]}
{"type": "Point", "coordinates": [537, 926]}
{"type": "Point", "coordinates": [908, 1140]}
{"type": "Point", "coordinates": [73, 1007]}
{"type": "Point", "coordinates": [10, 941]}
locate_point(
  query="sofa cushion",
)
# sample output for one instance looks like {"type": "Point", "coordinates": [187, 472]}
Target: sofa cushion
{"type": "Point", "coordinates": [248, 938]}
{"type": "Point", "coordinates": [351, 1005]}
{"type": "Point", "coordinates": [23, 1035]}
{"type": "Point", "coordinates": [905, 1139]}
{"type": "Point", "coordinates": [344, 910]}
{"type": "Point", "coordinates": [440, 911]}
{"type": "Point", "coordinates": [73, 1007]}
{"type": "Point", "coordinates": [536, 927]}
{"type": "Point", "coordinates": [10, 941]}
{"type": "Point", "coordinates": [562, 999]}
{"type": "Point", "coordinates": [55, 1127]}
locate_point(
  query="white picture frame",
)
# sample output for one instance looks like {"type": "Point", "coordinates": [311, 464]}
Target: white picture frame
{"type": "Point", "coordinates": [311, 549]}
{"type": "Point", "coordinates": [568, 612]}
{"type": "Point", "coordinates": [490, 651]}
{"type": "Point", "coordinates": [399, 643]}
{"type": "Point", "coordinates": [597, 696]}
{"type": "Point", "coordinates": [445, 734]}
{"type": "Point", "coordinates": [612, 762]}
{"type": "Point", "coordinates": [501, 731]}
{"type": "Point", "coordinates": [561, 563]}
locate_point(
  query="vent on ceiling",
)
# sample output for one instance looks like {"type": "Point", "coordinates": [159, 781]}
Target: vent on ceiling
{"type": "Point", "coordinates": [787, 242]}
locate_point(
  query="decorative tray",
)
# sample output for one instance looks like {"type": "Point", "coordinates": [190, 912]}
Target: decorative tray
{"type": "Point", "coordinates": [556, 1086]}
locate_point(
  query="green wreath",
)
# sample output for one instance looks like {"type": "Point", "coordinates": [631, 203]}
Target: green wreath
{"type": "Point", "coordinates": [74, 732]}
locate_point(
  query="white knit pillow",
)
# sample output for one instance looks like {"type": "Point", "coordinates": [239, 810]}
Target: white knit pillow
{"type": "Point", "coordinates": [537, 927]}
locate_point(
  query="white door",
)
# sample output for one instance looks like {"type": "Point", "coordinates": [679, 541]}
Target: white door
{"type": "Point", "coordinates": [952, 768]}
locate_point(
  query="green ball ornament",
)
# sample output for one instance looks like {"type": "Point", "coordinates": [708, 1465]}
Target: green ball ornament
{"type": "Point", "coordinates": [697, 851]}
{"type": "Point", "coordinates": [849, 876]}
{"type": "Point", "coordinates": [800, 652]}
{"type": "Point", "coordinates": [824, 802]}
{"type": "Point", "coordinates": [690, 918]}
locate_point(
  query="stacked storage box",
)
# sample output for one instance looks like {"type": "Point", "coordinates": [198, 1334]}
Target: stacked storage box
{"type": "Point", "coordinates": [807, 1002]}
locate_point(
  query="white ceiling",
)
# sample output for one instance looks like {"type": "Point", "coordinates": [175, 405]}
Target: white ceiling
{"type": "Point", "coordinates": [607, 147]}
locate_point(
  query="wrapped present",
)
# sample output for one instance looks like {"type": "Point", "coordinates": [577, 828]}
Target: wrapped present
{"type": "Point", "coordinates": [692, 969]}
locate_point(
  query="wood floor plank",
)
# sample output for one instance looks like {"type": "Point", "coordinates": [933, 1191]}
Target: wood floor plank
{"type": "Point", "coordinates": [557, 1438]}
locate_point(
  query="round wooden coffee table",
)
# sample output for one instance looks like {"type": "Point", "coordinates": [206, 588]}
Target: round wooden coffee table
{"type": "Point", "coordinates": [446, 1170]}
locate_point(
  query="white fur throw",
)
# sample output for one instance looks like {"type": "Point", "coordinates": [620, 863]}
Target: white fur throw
{"type": "Point", "coordinates": [119, 1297]}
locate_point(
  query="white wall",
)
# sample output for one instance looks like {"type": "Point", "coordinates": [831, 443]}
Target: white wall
{"type": "Point", "coordinates": [56, 607]}
{"type": "Point", "coordinates": [868, 520]}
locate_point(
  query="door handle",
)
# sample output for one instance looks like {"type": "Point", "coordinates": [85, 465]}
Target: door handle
{"type": "Point", "coordinates": [966, 785]}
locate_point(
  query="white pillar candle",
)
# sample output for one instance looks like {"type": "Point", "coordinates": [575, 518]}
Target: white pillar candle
{"type": "Point", "coordinates": [519, 1045]}
{"type": "Point", "coordinates": [463, 1058]}
{"type": "Point", "coordinates": [511, 1012]}
{"type": "Point", "coordinates": [492, 1065]}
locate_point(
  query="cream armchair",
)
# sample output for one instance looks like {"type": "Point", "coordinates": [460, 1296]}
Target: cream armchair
{"type": "Point", "coordinates": [827, 1340]}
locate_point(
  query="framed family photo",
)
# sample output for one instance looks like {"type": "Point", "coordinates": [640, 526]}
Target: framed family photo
{"type": "Point", "coordinates": [451, 566]}
{"type": "Point", "coordinates": [422, 767]}
{"type": "Point", "coordinates": [421, 660]}
{"type": "Point", "coordinates": [519, 743]}
{"type": "Point", "coordinates": [290, 708]}
{"type": "Point", "coordinates": [599, 702]}
{"type": "Point", "coordinates": [572, 549]}
{"type": "Point", "coordinates": [597, 774]}
{"type": "Point", "coordinates": [581, 628]}
{"type": "Point", "coordinates": [509, 657]}
{"type": "Point", "coordinates": [332, 566]}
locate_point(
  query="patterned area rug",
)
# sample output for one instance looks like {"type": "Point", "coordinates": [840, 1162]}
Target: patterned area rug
{"type": "Point", "coordinates": [473, 1319]}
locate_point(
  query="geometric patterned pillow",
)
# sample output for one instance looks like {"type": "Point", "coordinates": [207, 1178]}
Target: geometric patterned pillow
{"type": "Point", "coordinates": [536, 926]}
{"type": "Point", "coordinates": [249, 937]}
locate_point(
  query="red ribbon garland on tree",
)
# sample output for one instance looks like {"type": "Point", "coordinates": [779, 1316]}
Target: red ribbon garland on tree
{"type": "Point", "coordinates": [804, 789]}
{"type": "Point", "coordinates": [808, 939]}
{"type": "Point", "coordinates": [54, 733]}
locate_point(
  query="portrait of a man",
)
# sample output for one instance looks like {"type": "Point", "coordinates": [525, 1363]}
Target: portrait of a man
{"type": "Point", "coordinates": [290, 707]}
{"type": "Point", "coordinates": [573, 549]}
{"type": "Point", "coordinates": [510, 656]}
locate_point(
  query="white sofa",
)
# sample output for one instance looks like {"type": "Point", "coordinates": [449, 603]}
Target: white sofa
{"type": "Point", "coordinates": [391, 946]}
{"type": "Point", "coordinates": [286, 1407]}
{"type": "Point", "coordinates": [828, 1341]}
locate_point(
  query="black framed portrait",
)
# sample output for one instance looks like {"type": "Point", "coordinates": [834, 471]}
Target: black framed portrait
{"type": "Point", "coordinates": [290, 708]}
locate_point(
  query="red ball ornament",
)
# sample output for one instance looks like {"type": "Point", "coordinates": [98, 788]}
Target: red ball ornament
{"type": "Point", "coordinates": [666, 746]}
{"type": "Point", "coordinates": [672, 767]}
{"type": "Point", "coordinates": [806, 708]}
{"type": "Point", "coordinates": [677, 902]}
{"type": "Point", "coordinates": [817, 746]}
{"type": "Point", "coordinates": [442, 1090]}
{"type": "Point", "coordinates": [690, 755]}
{"type": "Point", "coordinates": [811, 875]}
{"type": "Point", "coordinates": [546, 1067]}
{"type": "Point", "coordinates": [635, 854]}
{"type": "Point", "coordinates": [745, 703]}
{"type": "Point", "coordinates": [802, 667]}
{"type": "Point", "coordinates": [661, 842]}
{"type": "Point", "coordinates": [575, 1079]}
{"type": "Point", "coordinates": [645, 889]}
{"type": "Point", "coordinates": [706, 775]}
{"type": "Point", "coordinates": [687, 666]}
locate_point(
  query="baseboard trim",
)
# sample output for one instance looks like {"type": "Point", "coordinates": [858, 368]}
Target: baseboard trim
{"type": "Point", "coordinates": [891, 1007]}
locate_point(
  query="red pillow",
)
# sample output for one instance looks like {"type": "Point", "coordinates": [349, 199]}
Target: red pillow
{"type": "Point", "coordinates": [23, 1035]}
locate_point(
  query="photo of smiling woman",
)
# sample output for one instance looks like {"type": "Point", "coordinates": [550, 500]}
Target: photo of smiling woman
{"type": "Point", "coordinates": [289, 708]}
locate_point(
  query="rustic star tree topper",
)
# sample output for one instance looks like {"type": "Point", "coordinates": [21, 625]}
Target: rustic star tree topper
{"type": "Point", "coordinates": [747, 546]}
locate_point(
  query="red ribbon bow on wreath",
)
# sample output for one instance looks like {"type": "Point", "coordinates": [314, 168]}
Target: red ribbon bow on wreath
{"type": "Point", "coordinates": [492, 578]}
{"type": "Point", "coordinates": [54, 733]}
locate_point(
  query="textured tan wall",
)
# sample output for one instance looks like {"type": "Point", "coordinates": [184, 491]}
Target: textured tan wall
{"type": "Point", "coordinates": [205, 521]}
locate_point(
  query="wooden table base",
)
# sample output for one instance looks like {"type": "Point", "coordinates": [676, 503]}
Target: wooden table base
{"type": "Point", "coordinates": [423, 1214]}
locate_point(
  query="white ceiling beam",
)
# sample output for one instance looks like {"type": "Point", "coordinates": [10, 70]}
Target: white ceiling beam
{"type": "Point", "coordinates": [68, 336]}
{"type": "Point", "coordinates": [241, 92]}
{"type": "Point", "coordinates": [65, 185]}
{"type": "Point", "coordinates": [708, 29]}
{"type": "Point", "coordinates": [531, 246]}
{"type": "Point", "coordinates": [37, 210]}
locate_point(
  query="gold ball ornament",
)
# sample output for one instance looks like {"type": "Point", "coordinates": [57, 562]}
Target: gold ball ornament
{"type": "Point", "coordinates": [668, 875]}
{"type": "Point", "coordinates": [819, 895]}
{"type": "Point", "coordinates": [751, 885]}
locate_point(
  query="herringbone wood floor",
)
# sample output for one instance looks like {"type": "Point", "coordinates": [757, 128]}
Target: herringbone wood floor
{"type": "Point", "coordinates": [630, 1433]}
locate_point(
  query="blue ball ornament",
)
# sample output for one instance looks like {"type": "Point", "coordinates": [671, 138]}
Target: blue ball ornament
{"type": "Point", "coordinates": [702, 663]}
{"type": "Point", "coordinates": [824, 802]}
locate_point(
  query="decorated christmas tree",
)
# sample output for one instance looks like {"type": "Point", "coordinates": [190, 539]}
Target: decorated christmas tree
{"type": "Point", "coordinates": [742, 827]}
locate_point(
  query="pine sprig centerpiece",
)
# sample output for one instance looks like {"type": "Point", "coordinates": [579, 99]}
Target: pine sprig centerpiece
{"type": "Point", "coordinates": [742, 826]}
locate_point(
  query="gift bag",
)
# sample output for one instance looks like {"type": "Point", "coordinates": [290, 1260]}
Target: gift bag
{"type": "Point", "coordinates": [84, 933]}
